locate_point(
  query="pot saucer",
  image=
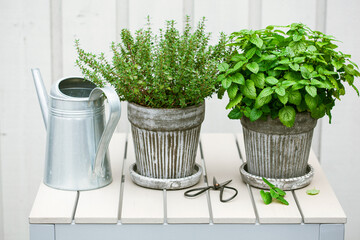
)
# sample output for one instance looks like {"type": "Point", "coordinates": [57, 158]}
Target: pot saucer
{"type": "Point", "coordinates": [169, 184]}
{"type": "Point", "coordinates": [282, 183]}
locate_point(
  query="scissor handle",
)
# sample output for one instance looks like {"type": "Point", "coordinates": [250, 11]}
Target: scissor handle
{"type": "Point", "coordinates": [230, 198]}
{"type": "Point", "coordinates": [197, 191]}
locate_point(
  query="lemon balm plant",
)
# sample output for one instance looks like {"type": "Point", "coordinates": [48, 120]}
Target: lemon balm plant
{"type": "Point", "coordinates": [165, 78]}
{"type": "Point", "coordinates": [280, 80]}
{"type": "Point", "coordinates": [280, 71]}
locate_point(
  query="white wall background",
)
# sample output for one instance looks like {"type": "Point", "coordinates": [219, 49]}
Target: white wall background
{"type": "Point", "coordinates": [41, 33]}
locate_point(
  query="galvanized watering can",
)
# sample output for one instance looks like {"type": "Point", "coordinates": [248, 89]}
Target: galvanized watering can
{"type": "Point", "coordinates": [77, 137]}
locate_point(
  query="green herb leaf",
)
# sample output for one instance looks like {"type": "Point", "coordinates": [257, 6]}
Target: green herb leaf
{"type": "Point", "coordinates": [287, 116]}
{"type": "Point", "coordinates": [311, 90]}
{"type": "Point", "coordinates": [238, 65]}
{"type": "Point", "coordinates": [294, 66]}
{"type": "Point", "coordinates": [249, 54]}
{"type": "Point", "coordinates": [268, 183]}
{"type": "Point", "coordinates": [235, 114]}
{"type": "Point", "coordinates": [311, 102]}
{"type": "Point", "coordinates": [255, 114]}
{"type": "Point", "coordinates": [273, 193]}
{"type": "Point", "coordinates": [257, 41]}
{"type": "Point", "coordinates": [282, 200]}
{"type": "Point", "coordinates": [280, 91]}
{"type": "Point", "coordinates": [312, 191]}
{"type": "Point", "coordinates": [261, 101]}
{"type": "Point", "coordinates": [253, 67]}
{"type": "Point", "coordinates": [271, 80]}
{"type": "Point", "coordinates": [238, 78]}
{"type": "Point", "coordinates": [283, 99]}
{"type": "Point", "coordinates": [258, 79]}
{"type": "Point", "coordinates": [226, 82]}
{"type": "Point", "coordinates": [280, 192]}
{"type": "Point", "coordinates": [305, 73]}
{"type": "Point", "coordinates": [223, 67]}
{"type": "Point", "coordinates": [234, 101]}
{"type": "Point", "coordinates": [237, 58]}
{"type": "Point", "coordinates": [295, 97]}
{"type": "Point", "coordinates": [249, 89]}
{"type": "Point", "coordinates": [232, 90]}
{"type": "Point", "coordinates": [266, 197]}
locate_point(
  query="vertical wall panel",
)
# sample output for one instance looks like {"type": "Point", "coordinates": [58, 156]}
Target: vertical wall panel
{"type": "Point", "coordinates": [25, 43]}
{"type": "Point", "coordinates": [284, 12]}
{"type": "Point", "coordinates": [93, 22]}
{"type": "Point", "coordinates": [158, 10]}
{"type": "Point", "coordinates": [340, 140]}
{"type": "Point", "coordinates": [222, 16]}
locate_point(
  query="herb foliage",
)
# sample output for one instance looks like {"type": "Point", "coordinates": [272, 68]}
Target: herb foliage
{"type": "Point", "coordinates": [282, 70]}
{"type": "Point", "coordinates": [275, 193]}
{"type": "Point", "coordinates": [168, 70]}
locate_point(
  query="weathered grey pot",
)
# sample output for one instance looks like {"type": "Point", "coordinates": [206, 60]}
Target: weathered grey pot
{"type": "Point", "coordinates": [165, 140]}
{"type": "Point", "coordinates": [276, 151]}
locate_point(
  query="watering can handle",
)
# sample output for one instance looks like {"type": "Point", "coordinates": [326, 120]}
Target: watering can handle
{"type": "Point", "coordinates": [114, 116]}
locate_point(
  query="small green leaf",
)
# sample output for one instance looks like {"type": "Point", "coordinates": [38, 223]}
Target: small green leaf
{"type": "Point", "coordinates": [256, 40]}
{"type": "Point", "coordinates": [249, 54]}
{"type": "Point", "coordinates": [305, 73]}
{"type": "Point", "coordinates": [336, 64]}
{"type": "Point", "coordinates": [266, 197]}
{"type": "Point", "coordinates": [266, 92]}
{"type": "Point", "coordinates": [249, 89]}
{"type": "Point", "coordinates": [238, 65]}
{"type": "Point", "coordinates": [280, 192]}
{"type": "Point", "coordinates": [271, 80]}
{"type": "Point", "coordinates": [282, 200]}
{"type": "Point", "coordinates": [261, 101]}
{"type": "Point", "coordinates": [294, 97]}
{"type": "Point", "coordinates": [287, 116]}
{"type": "Point", "coordinates": [283, 99]}
{"type": "Point", "coordinates": [268, 57]}
{"type": "Point", "coordinates": [280, 91]}
{"type": "Point", "coordinates": [226, 82]}
{"type": "Point", "coordinates": [255, 114]}
{"type": "Point", "coordinates": [223, 67]}
{"type": "Point", "coordinates": [232, 90]}
{"type": "Point", "coordinates": [318, 112]}
{"type": "Point", "coordinates": [253, 67]}
{"type": "Point", "coordinates": [299, 59]}
{"type": "Point", "coordinates": [220, 77]}
{"type": "Point", "coordinates": [294, 66]}
{"type": "Point", "coordinates": [310, 101]}
{"type": "Point", "coordinates": [235, 114]}
{"type": "Point", "coordinates": [273, 193]}
{"type": "Point", "coordinates": [285, 84]}
{"type": "Point", "coordinates": [258, 79]}
{"type": "Point", "coordinates": [238, 78]}
{"type": "Point", "coordinates": [311, 90]}
{"type": "Point", "coordinates": [237, 58]}
{"type": "Point", "coordinates": [233, 102]}
{"type": "Point", "coordinates": [297, 37]}
{"type": "Point", "coordinates": [282, 67]}
{"type": "Point", "coordinates": [312, 191]}
{"type": "Point", "coordinates": [268, 183]}
{"type": "Point", "coordinates": [285, 61]}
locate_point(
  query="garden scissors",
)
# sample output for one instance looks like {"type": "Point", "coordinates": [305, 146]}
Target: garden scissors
{"type": "Point", "coordinates": [216, 186]}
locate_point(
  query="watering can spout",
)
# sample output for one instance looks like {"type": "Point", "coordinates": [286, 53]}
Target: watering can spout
{"type": "Point", "coordinates": [42, 94]}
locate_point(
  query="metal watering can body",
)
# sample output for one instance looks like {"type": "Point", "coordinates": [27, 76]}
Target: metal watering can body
{"type": "Point", "coordinates": [78, 135]}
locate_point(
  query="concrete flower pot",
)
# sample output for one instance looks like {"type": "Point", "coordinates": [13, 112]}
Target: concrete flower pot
{"type": "Point", "coordinates": [276, 151]}
{"type": "Point", "coordinates": [165, 140]}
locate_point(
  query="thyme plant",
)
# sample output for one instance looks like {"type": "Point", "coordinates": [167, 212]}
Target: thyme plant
{"type": "Point", "coordinates": [168, 70]}
{"type": "Point", "coordinates": [282, 70]}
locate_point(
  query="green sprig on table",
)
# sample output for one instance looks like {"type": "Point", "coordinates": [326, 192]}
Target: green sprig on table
{"type": "Point", "coordinates": [275, 193]}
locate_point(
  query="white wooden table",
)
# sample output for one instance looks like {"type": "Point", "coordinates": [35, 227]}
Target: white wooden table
{"type": "Point", "coordinates": [124, 210]}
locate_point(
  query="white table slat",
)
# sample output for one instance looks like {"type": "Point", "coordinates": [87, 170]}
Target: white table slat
{"type": "Point", "coordinates": [274, 212]}
{"type": "Point", "coordinates": [192, 210]}
{"type": "Point", "coordinates": [102, 205]}
{"type": "Point", "coordinates": [53, 206]}
{"type": "Point", "coordinates": [222, 161]}
{"type": "Point", "coordinates": [324, 207]}
{"type": "Point", "coordinates": [139, 205]}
